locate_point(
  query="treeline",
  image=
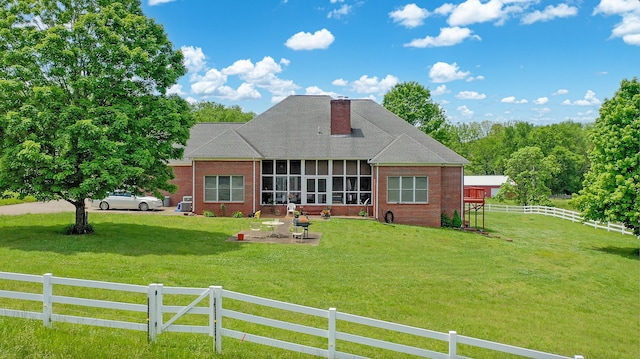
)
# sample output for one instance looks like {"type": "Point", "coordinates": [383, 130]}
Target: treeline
{"type": "Point", "coordinates": [490, 145]}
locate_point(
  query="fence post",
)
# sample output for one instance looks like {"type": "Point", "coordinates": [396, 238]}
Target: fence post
{"type": "Point", "coordinates": [215, 319]}
{"type": "Point", "coordinates": [47, 302]}
{"type": "Point", "coordinates": [152, 312]}
{"type": "Point", "coordinates": [159, 304]}
{"type": "Point", "coordinates": [453, 344]}
{"type": "Point", "coordinates": [331, 352]}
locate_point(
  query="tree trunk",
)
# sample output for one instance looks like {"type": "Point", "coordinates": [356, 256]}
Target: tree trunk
{"type": "Point", "coordinates": [82, 219]}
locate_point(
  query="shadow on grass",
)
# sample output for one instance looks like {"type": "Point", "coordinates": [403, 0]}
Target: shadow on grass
{"type": "Point", "coordinates": [123, 238]}
{"type": "Point", "coordinates": [626, 252]}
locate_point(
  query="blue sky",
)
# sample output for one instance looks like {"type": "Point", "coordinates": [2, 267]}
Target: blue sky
{"type": "Point", "coordinates": [497, 60]}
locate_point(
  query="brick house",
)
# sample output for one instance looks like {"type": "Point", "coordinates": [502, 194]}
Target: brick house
{"type": "Point", "coordinates": [319, 152]}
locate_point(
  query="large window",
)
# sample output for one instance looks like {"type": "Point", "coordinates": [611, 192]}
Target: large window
{"type": "Point", "coordinates": [316, 181]}
{"type": "Point", "coordinates": [224, 189]}
{"type": "Point", "coordinates": [407, 189]}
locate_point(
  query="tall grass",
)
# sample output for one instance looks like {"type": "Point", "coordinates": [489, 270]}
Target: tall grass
{"type": "Point", "coordinates": [537, 282]}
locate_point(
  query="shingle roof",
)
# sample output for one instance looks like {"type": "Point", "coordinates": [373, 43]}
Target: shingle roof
{"type": "Point", "coordinates": [299, 128]}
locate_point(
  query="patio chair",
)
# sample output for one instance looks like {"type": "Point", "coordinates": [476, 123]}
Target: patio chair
{"type": "Point", "coordinates": [298, 232]}
{"type": "Point", "coordinates": [256, 229]}
{"type": "Point", "coordinates": [291, 208]}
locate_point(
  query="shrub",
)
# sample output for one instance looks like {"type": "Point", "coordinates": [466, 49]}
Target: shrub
{"type": "Point", "coordinates": [237, 214]}
{"type": "Point", "coordinates": [445, 221]}
{"type": "Point", "coordinates": [223, 209]}
{"type": "Point", "coordinates": [456, 222]}
{"type": "Point", "coordinates": [208, 214]}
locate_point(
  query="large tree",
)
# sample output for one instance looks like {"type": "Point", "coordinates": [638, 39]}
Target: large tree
{"type": "Point", "coordinates": [530, 170]}
{"type": "Point", "coordinates": [611, 188]}
{"type": "Point", "coordinates": [206, 111]}
{"type": "Point", "coordinates": [83, 109]}
{"type": "Point", "coordinates": [412, 102]}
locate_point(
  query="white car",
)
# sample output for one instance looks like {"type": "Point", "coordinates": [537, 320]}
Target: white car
{"type": "Point", "coordinates": [125, 200]}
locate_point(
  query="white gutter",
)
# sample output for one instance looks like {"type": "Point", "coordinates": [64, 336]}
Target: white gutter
{"type": "Point", "coordinates": [193, 185]}
{"type": "Point", "coordinates": [377, 190]}
{"type": "Point", "coordinates": [462, 192]}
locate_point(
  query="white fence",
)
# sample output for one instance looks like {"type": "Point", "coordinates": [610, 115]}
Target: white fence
{"type": "Point", "coordinates": [559, 213]}
{"type": "Point", "coordinates": [215, 313]}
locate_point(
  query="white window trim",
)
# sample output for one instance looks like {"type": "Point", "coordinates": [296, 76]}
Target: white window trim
{"type": "Point", "coordinates": [401, 201]}
{"type": "Point", "coordinates": [204, 188]}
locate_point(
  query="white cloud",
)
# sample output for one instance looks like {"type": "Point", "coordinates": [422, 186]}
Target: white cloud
{"type": "Point", "coordinates": [470, 95]}
{"type": "Point", "coordinates": [588, 100]}
{"type": "Point", "coordinates": [464, 111]}
{"type": "Point", "coordinates": [616, 7]}
{"type": "Point", "coordinates": [440, 90]}
{"type": "Point", "coordinates": [411, 15]}
{"type": "Point", "coordinates": [247, 91]}
{"type": "Point", "coordinates": [512, 99]}
{"type": "Point", "coordinates": [444, 72]}
{"type": "Point", "coordinates": [371, 85]}
{"type": "Point", "coordinates": [473, 11]}
{"type": "Point", "coordinates": [542, 111]}
{"type": "Point", "coordinates": [340, 82]}
{"type": "Point", "coordinates": [176, 90]}
{"type": "Point", "coordinates": [629, 28]}
{"type": "Point", "coordinates": [478, 78]}
{"type": "Point", "coordinates": [194, 59]}
{"type": "Point", "coordinates": [561, 92]}
{"type": "Point", "coordinates": [315, 90]}
{"type": "Point", "coordinates": [321, 39]}
{"type": "Point", "coordinates": [549, 13]}
{"type": "Point", "coordinates": [254, 76]}
{"type": "Point", "coordinates": [339, 12]}
{"type": "Point", "coordinates": [157, 2]}
{"type": "Point", "coordinates": [541, 101]}
{"type": "Point", "coordinates": [209, 84]}
{"type": "Point", "coordinates": [448, 36]}
{"type": "Point", "coordinates": [444, 9]}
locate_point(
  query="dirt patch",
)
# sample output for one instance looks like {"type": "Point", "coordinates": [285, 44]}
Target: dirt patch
{"type": "Point", "coordinates": [313, 239]}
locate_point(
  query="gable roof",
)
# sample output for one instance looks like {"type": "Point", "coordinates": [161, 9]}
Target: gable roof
{"type": "Point", "coordinates": [299, 128]}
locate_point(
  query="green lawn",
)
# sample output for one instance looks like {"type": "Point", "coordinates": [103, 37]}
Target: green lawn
{"type": "Point", "coordinates": [537, 282]}
{"type": "Point", "coordinates": [12, 199]}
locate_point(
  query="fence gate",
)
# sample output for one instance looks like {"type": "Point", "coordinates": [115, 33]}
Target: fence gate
{"type": "Point", "coordinates": [156, 325]}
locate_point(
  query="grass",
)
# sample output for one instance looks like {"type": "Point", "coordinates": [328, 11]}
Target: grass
{"type": "Point", "coordinates": [537, 282]}
{"type": "Point", "coordinates": [13, 199]}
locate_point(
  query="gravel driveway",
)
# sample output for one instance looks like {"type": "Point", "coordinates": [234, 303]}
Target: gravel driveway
{"type": "Point", "coordinates": [64, 206]}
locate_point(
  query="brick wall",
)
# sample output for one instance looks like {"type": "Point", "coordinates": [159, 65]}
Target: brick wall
{"type": "Point", "coordinates": [452, 190]}
{"type": "Point", "coordinates": [445, 194]}
{"type": "Point", "coordinates": [183, 181]}
{"type": "Point", "coordinates": [226, 168]}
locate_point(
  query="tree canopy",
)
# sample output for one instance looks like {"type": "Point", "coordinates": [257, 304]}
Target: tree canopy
{"type": "Point", "coordinates": [83, 109]}
{"type": "Point", "coordinates": [611, 188]}
{"type": "Point", "coordinates": [206, 111]}
{"type": "Point", "coordinates": [412, 102]}
{"type": "Point", "coordinates": [530, 170]}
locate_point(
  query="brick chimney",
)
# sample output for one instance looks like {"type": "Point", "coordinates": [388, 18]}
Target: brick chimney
{"type": "Point", "coordinates": [341, 117]}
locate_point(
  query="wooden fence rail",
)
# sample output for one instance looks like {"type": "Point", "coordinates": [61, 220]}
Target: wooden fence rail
{"type": "Point", "coordinates": [209, 303]}
{"type": "Point", "coordinates": [559, 213]}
